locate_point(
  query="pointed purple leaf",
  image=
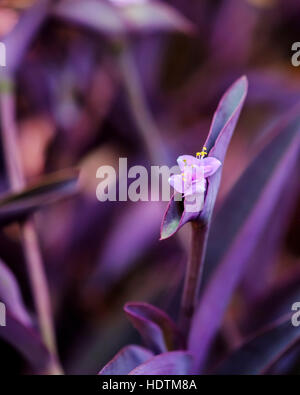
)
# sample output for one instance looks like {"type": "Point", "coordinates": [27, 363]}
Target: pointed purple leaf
{"type": "Point", "coordinates": [50, 189]}
{"type": "Point", "coordinates": [106, 17]}
{"type": "Point", "coordinates": [169, 363]}
{"type": "Point", "coordinates": [262, 351]}
{"type": "Point", "coordinates": [156, 15]}
{"type": "Point", "coordinates": [26, 341]}
{"type": "Point", "coordinates": [18, 330]}
{"type": "Point", "coordinates": [101, 16]}
{"type": "Point", "coordinates": [262, 186]}
{"type": "Point", "coordinates": [158, 331]}
{"type": "Point", "coordinates": [174, 218]}
{"type": "Point", "coordinates": [269, 246]}
{"type": "Point", "coordinates": [10, 295]}
{"type": "Point", "coordinates": [274, 303]}
{"type": "Point", "coordinates": [217, 142]}
{"type": "Point", "coordinates": [222, 128]}
{"type": "Point", "coordinates": [126, 360]}
{"type": "Point", "coordinates": [19, 39]}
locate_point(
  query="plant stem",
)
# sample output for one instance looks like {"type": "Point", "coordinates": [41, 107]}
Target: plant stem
{"type": "Point", "coordinates": [38, 282]}
{"type": "Point", "coordinates": [193, 276]}
{"type": "Point", "coordinates": [29, 238]}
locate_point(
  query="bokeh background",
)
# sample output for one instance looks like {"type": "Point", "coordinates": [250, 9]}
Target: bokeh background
{"type": "Point", "coordinates": [81, 103]}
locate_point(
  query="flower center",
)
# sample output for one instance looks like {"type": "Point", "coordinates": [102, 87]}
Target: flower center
{"type": "Point", "coordinates": [202, 154]}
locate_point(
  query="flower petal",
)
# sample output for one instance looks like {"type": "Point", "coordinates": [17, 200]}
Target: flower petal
{"type": "Point", "coordinates": [197, 173]}
{"type": "Point", "coordinates": [180, 182]}
{"type": "Point", "coordinates": [194, 203]}
{"type": "Point", "coordinates": [187, 160]}
{"type": "Point", "coordinates": [211, 165]}
{"type": "Point", "coordinates": [198, 186]}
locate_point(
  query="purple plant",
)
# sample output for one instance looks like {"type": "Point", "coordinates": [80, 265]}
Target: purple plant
{"type": "Point", "coordinates": [278, 157]}
{"type": "Point", "coordinates": [112, 78]}
{"type": "Point", "coordinates": [218, 139]}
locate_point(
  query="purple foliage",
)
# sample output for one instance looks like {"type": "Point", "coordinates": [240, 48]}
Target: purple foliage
{"type": "Point", "coordinates": [158, 331]}
{"type": "Point", "coordinates": [126, 360]}
{"type": "Point", "coordinates": [87, 82]}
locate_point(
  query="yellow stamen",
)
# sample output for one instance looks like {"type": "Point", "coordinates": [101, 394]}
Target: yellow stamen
{"type": "Point", "coordinates": [202, 154]}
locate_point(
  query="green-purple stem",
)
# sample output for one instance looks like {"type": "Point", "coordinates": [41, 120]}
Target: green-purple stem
{"type": "Point", "coordinates": [29, 237]}
{"type": "Point", "coordinates": [193, 276]}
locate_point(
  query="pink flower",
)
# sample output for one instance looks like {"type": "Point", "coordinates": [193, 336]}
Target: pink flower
{"type": "Point", "coordinates": [194, 171]}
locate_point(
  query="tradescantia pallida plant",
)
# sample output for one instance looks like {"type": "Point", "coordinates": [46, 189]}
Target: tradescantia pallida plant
{"type": "Point", "coordinates": [239, 223]}
{"type": "Point", "coordinates": [215, 147]}
{"type": "Point", "coordinates": [199, 181]}
{"type": "Point", "coordinates": [226, 250]}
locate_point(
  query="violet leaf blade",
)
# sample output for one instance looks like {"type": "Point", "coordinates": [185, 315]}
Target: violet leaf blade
{"type": "Point", "coordinates": [19, 39]}
{"type": "Point", "coordinates": [158, 331]}
{"type": "Point", "coordinates": [234, 211]}
{"type": "Point", "coordinates": [155, 15]}
{"type": "Point", "coordinates": [274, 303]}
{"type": "Point", "coordinates": [101, 16]}
{"type": "Point", "coordinates": [26, 341]}
{"type": "Point", "coordinates": [106, 17]}
{"type": "Point", "coordinates": [126, 360]}
{"type": "Point", "coordinates": [18, 329]}
{"type": "Point", "coordinates": [219, 137]}
{"type": "Point", "coordinates": [169, 363]}
{"type": "Point", "coordinates": [226, 114]}
{"type": "Point", "coordinates": [267, 249]}
{"type": "Point", "coordinates": [173, 218]}
{"type": "Point", "coordinates": [261, 185]}
{"type": "Point", "coordinates": [10, 295]}
{"type": "Point", "coordinates": [52, 188]}
{"type": "Point", "coordinates": [260, 353]}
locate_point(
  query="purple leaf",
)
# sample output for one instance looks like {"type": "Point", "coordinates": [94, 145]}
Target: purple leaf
{"type": "Point", "coordinates": [52, 188]}
{"type": "Point", "coordinates": [221, 131]}
{"type": "Point", "coordinates": [10, 295]}
{"type": "Point", "coordinates": [222, 127]}
{"type": "Point", "coordinates": [158, 331]}
{"type": "Point", "coordinates": [20, 38]}
{"type": "Point", "coordinates": [174, 218]}
{"type": "Point", "coordinates": [105, 17]}
{"type": "Point", "coordinates": [275, 302]}
{"type": "Point", "coordinates": [262, 186]}
{"type": "Point", "coordinates": [260, 353]}
{"type": "Point", "coordinates": [26, 341]}
{"type": "Point", "coordinates": [94, 14]}
{"type": "Point", "coordinates": [155, 15]}
{"type": "Point", "coordinates": [127, 359]}
{"type": "Point", "coordinates": [268, 248]}
{"type": "Point", "coordinates": [169, 363]}
{"type": "Point", "coordinates": [18, 330]}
